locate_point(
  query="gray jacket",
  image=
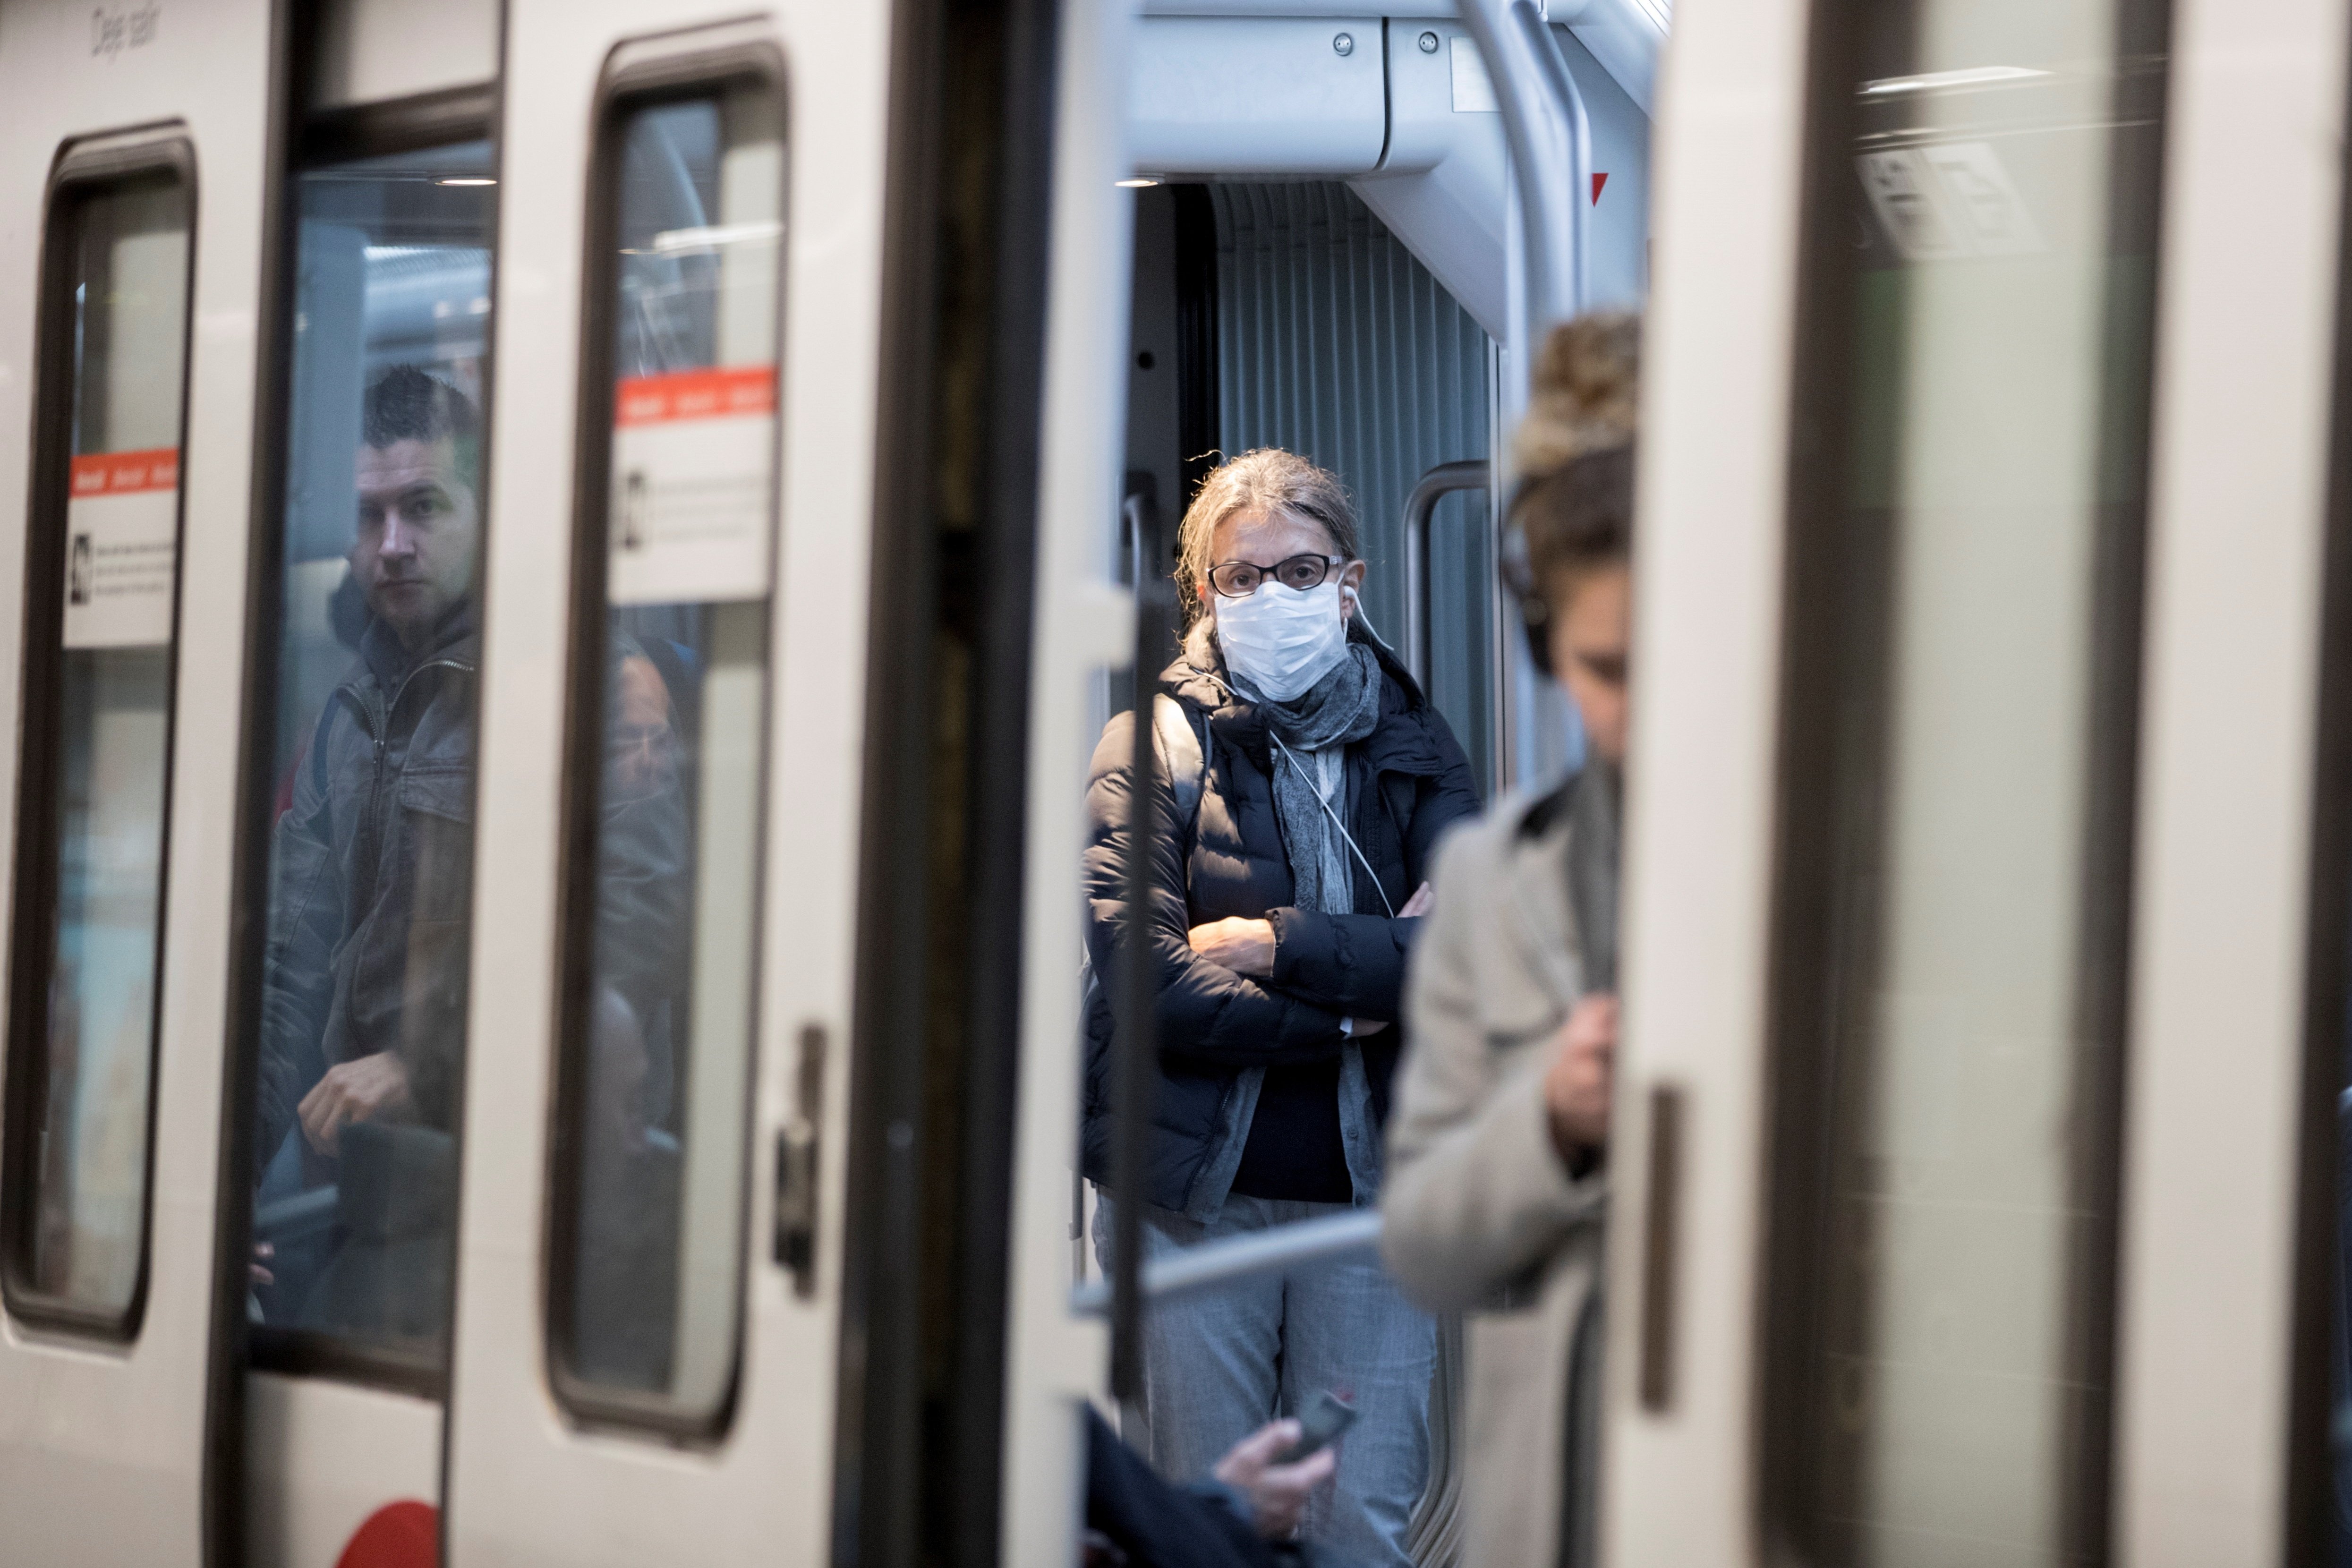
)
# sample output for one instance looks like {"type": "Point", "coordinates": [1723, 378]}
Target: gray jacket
{"type": "Point", "coordinates": [372, 870]}
{"type": "Point", "coordinates": [1481, 1215]}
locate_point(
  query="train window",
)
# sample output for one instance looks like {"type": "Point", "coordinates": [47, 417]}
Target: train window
{"type": "Point", "coordinates": [675, 567]}
{"type": "Point", "coordinates": [101, 620]}
{"type": "Point", "coordinates": [361, 1019]}
{"type": "Point", "coordinates": [1965, 583]}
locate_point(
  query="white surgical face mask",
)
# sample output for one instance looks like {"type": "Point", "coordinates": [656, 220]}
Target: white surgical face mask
{"type": "Point", "coordinates": [1280, 640]}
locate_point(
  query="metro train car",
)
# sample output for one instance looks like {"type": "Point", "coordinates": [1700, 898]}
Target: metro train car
{"type": "Point", "coordinates": [651, 505]}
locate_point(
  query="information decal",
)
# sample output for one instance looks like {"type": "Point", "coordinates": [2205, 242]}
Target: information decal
{"type": "Point", "coordinates": [693, 458]}
{"type": "Point", "coordinates": [122, 554]}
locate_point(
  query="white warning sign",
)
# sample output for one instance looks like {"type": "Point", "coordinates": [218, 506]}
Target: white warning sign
{"type": "Point", "coordinates": [693, 458]}
{"type": "Point", "coordinates": [1946, 200]}
{"type": "Point", "coordinates": [121, 548]}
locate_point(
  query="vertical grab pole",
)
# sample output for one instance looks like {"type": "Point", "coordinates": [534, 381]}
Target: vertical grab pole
{"type": "Point", "coordinates": [1545, 129]}
{"type": "Point", "coordinates": [1136, 1037]}
{"type": "Point", "coordinates": [1548, 138]}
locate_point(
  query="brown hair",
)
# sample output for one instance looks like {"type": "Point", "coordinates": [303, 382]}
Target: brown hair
{"type": "Point", "coordinates": [1267, 482]}
{"type": "Point", "coordinates": [1574, 507]}
{"type": "Point", "coordinates": [1576, 522]}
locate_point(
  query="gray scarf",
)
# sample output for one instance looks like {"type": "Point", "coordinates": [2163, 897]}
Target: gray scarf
{"type": "Point", "coordinates": [1343, 705]}
{"type": "Point", "coordinates": [1593, 824]}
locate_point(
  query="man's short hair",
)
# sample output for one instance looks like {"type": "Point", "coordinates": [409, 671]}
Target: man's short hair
{"type": "Point", "coordinates": [404, 404]}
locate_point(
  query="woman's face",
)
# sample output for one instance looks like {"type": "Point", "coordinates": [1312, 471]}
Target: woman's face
{"type": "Point", "coordinates": [1591, 624]}
{"type": "Point", "coordinates": [1270, 538]}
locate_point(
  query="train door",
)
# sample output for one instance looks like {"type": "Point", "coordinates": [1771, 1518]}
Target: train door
{"type": "Point", "coordinates": [2232, 1434]}
{"type": "Point", "coordinates": [1970, 860]}
{"type": "Point", "coordinates": [650, 1259]}
{"type": "Point", "coordinates": [356, 825]}
{"type": "Point", "coordinates": [136, 140]}
{"type": "Point", "coordinates": [1319, 258]}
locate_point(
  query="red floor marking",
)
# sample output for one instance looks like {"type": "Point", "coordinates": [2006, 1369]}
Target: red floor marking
{"type": "Point", "coordinates": [397, 1535]}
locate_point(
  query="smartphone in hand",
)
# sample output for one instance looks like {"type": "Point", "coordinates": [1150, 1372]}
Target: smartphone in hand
{"type": "Point", "coordinates": [1327, 1416]}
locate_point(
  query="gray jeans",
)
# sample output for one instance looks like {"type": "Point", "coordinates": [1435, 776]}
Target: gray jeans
{"type": "Point", "coordinates": [1217, 1366]}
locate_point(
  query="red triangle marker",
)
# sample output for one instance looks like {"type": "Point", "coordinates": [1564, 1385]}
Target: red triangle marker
{"type": "Point", "coordinates": [1597, 181]}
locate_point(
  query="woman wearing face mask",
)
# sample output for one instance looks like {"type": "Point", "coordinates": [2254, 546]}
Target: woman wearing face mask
{"type": "Point", "coordinates": [1287, 900]}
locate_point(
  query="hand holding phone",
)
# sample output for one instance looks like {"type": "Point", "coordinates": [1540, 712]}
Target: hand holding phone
{"type": "Point", "coordinates": [1325, 1417]}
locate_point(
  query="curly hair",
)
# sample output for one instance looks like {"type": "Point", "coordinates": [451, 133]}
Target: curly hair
{"type": "Point", "coordinates": [1583, 391]}
{"type": "Point", "coordinates": [1263, 481]}
{"type": "Point", "coordinates": [1574, 507]}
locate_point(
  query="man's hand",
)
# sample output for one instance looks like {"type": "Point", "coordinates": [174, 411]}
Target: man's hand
{"type": "Point", "coordinates": [1277, 1493]}
{"type": "Point", "coordinates": [358, 1090]}
{"type": "Point", "coordinates": [1577, 1085]}
{"type": "Point", "coordinates": [1422, 898]}
{"type": "Point", "coordinates": [1245, 947]}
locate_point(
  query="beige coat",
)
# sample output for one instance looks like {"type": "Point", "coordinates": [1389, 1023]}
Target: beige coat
{"type": "Point", "coordinates": [1481, 1215]}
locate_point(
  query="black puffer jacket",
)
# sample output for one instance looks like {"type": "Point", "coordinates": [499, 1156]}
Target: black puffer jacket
{"type": "Point", "coordinates": [1407, 783]}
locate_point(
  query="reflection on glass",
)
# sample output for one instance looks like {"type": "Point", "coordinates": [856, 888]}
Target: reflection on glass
{"type": "Point", "coordinates": [662, 1029]}
{"type": "Point", "coordinates": [363, 1008]}
{"type": "Point", "coordinates": [104, 769]}
{"type": "Point", "coordinates": [2002, 236]}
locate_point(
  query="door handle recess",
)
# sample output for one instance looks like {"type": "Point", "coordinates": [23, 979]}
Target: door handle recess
{"type": "Point", "coordinates": [1661, 1237]}
{"type": "Point", "coordinates": [797, 1148]}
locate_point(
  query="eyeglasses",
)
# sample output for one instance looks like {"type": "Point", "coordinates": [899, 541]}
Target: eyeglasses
{"type": "Point", "coordinates": [1240, 579]}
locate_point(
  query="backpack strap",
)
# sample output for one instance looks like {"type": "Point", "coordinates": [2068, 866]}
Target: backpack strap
{"type": "Point", "coordinates": [1181, 750]}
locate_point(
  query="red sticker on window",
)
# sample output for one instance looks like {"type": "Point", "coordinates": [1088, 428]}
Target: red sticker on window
{"type": "Point", "coordinates": [695, 395]}
{"type": "Point", "coordinates": [119, 473]}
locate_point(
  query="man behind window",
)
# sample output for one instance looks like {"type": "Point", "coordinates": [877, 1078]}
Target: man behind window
{"type": "Point", "coordinates": [365, 976]}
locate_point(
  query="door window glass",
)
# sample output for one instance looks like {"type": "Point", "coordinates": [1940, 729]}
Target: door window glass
{"type": "Point", "coordinates": [104, 573]}
{"type": "Point", "coordinates": [671, 692]}
{"type": "Point", "coordinates": [362, 1014]}
{"type": "Point", "coordinates": [1956, 870]}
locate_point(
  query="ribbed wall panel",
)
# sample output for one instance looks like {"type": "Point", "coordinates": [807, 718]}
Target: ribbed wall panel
{"type": "Point", "coordinates": [1334, 342]}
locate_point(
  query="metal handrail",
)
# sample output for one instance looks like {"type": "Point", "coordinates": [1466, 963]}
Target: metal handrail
{"type": "Point", "coordinates": [1131, 518]}
{"type": "Point", "coordinates": [1135, 980]}
{"type": "Point", "coordinates": [1441, 481]}
{"type": "Point", "coordinates": [1550, 142]}
{"type": "Point", "coordinates": [1216, 1264]}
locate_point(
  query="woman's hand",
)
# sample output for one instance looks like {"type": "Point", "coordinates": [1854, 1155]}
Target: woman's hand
{"type": "Point", "coordinates": [1244, 946]}
{"type": "Point", "coordinates": [1577, 1085]}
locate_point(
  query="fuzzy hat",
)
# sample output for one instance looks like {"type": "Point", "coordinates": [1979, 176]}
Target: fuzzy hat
{"type": "Point", "coordinates": [1582, 394]}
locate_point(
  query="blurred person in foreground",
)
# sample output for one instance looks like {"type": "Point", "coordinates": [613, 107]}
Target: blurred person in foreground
{"type": "Point", "coordinates": [1246, 1515]}
{"type": "Point", "coordinates": [1318, 778]}
{"type": "Point", "coordinates": [1498, 1150]}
